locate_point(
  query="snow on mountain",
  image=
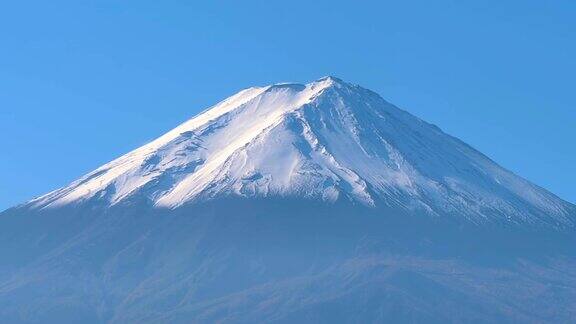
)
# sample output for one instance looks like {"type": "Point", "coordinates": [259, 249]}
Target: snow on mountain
{"type": "Point", "coordinates": [326, 140]}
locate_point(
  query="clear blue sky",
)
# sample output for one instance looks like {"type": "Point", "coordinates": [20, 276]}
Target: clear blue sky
{"type": "Point", "coordinates": [82, 82]}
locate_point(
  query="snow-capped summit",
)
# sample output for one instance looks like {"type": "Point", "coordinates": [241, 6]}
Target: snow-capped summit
{"type": "Point", "coordinates": [326, 140]}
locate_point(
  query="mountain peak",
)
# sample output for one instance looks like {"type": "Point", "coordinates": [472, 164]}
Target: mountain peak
{"type": "Point", "coordinates": [302, 141]}
{"type": "Point", "coordinates": [331, 79]}
{"type": "Point", "coordinates": [323, 82]}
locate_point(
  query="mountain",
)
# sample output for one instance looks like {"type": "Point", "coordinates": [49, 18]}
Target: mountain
{"type": "Point", "coordinates": [326, 140]}
{"type": "Point", "coordinates": [293, 203]}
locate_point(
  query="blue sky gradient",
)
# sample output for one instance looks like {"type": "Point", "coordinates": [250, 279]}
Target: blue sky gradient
{"type": "Point", "coordinates": [83, 82]}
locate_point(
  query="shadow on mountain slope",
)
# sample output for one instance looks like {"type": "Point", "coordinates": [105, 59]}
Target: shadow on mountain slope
{"type": "Point", "coordinates": [277, 261]}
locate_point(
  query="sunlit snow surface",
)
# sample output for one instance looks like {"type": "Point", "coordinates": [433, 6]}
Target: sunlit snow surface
{"type": "Point", "coordinates": [325, 140]}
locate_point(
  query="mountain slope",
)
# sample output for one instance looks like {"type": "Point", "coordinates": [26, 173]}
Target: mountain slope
{"type": "Point", "coordinates": [316, 203]}
{"type": "Point", "coordinates": [326, 140]}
